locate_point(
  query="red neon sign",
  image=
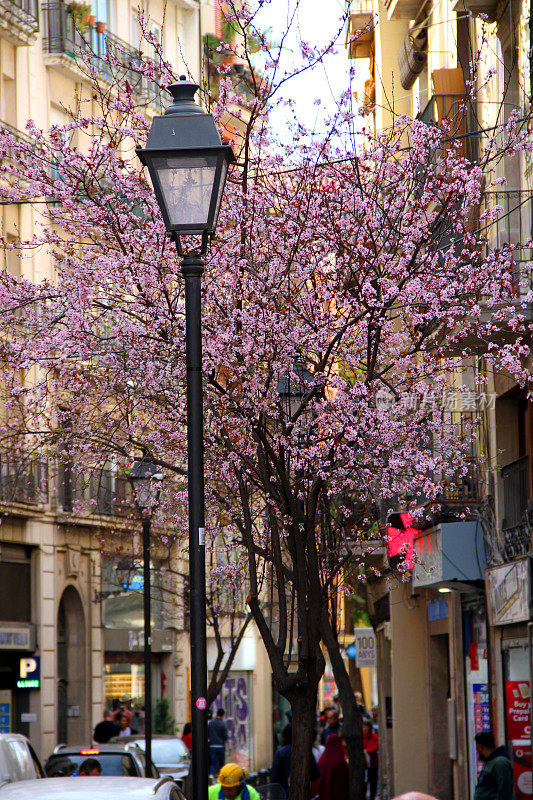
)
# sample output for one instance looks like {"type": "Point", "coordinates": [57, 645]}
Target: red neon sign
{"type": "Point", "coordinates": [401, 540]}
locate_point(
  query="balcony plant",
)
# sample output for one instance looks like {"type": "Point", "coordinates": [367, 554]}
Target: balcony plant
{"type": "Point", "coordinates": [81, 12]}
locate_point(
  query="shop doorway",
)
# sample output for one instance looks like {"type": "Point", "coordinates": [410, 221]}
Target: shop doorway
{"type": "Point", "coordinates": [517, 719]}
{"type": "Point", "coordinates": [71, 671]}
{"type": "Point", "coordinates": [439, 665]}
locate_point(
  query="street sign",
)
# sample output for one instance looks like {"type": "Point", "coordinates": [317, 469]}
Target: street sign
{"type": "Point", "coordinates": [365, 645]}
{"type": "Point", "coordinates": [29, 673]}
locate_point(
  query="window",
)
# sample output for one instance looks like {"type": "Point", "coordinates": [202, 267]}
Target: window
{"type": "Point", "coordinates": [157, 33]}
{"type": "Point", "coordinates": [134, 28]}
{"type": "Point", "coordinates": [12, 257]}
{"type": "Point", "coordinates": [15, 580]}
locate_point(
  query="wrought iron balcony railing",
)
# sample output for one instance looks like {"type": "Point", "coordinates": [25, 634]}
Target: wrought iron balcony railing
{"type": "Point", "coordinates": [513, 226]}
{"type": "Point", "coordinates": [23, 480]}
{"type": "Point", "coordinates": [465, 488]}
{"type": "Point", "coordinates": [102, 492]}
{"type": "Point", "coordinates": [114, 58]}
{"type": "Point", "coordinates": [60, 34]}
{"type": "Point", "coordinates": [455, 110]}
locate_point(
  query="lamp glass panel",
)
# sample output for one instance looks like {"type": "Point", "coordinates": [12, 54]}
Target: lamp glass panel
{"type": "Point", "coordinates": [147, 492]}
{"type": "Point", "coordinates": [222, 183]}
{"type": "Point", "coordinates": [187, 186]}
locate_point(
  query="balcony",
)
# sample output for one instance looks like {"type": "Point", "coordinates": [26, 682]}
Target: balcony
{"type": "Point", "coordinates": [65, 48]}
{"type": "Point", "coordinates": [23, 481]}
{"type": "Point", "coordinates": [19, 21]}
{"type": "Point", "coordinates": [452, 109]}
{"type": "Point", "coordinates": [10, 157]}
{"type": "Point", "coordinates": [476, 7]}
{"type": "Point", "coordinates": [403, 9]}
{"type": "Point", "coordinates": [360, 45]}
{"type": "Point", "coordinates": [101, 493]}
{"type": "Point", "coordinates": [464, 489]}
{"type": "Point", "coordinates": [514, 226]}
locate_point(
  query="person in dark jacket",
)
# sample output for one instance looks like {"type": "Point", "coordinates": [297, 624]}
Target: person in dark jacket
{"type": "Point", "coordinates": [106, 729]}
{"type": "Point", "coordinates": [332, 725]}
{"type": "Point", "coordinates": [217, 733]}
{"type": "Point", "coordinates": [495, 780]}
{"type": "Point", "coordinates": [281, 766]}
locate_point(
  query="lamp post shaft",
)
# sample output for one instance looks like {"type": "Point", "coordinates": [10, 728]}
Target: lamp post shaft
{"type": "Point", "coordinates": [192, 269]}
{"type": "Point", "coordinates": [147, 647]}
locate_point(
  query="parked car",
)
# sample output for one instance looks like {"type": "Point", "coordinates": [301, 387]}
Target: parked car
{"type": "Point", "coordinates": [94, 789]}
{"type": "Point", "coordinates": [18, 761]}
{"type": "Point", "coordinates": [169, 754]}
{"type": "Point", "coordinates": [116, 759]}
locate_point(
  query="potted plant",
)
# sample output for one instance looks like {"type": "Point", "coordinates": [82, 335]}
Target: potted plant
{"type": "Point", "coordinates": [81, 13]}
{"type": "Point", "coordinates": [100, 27]}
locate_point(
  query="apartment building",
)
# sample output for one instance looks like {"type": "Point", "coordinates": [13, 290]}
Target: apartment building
{"type": "Point", "coordinates": [454, 655]}
{"type": "Point", "coordinates": [71, 638]}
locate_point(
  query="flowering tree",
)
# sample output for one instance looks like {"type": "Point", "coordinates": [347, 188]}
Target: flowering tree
{"type": "Point", "coordinates": [338, 289]}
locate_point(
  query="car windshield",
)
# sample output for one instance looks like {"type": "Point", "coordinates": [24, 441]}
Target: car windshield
{"type": "Point", "coordinates": [63, 765]}
{"type": "Point", "coordinates": [167, 751]}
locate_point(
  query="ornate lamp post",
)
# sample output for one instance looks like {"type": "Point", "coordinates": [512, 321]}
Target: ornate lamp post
{"type": "Point", "coordinates": [292, 388]}
{"type": "Point", "coordinates": [188, 165]}
{"type": "Point", "coordinates": [146, 479]}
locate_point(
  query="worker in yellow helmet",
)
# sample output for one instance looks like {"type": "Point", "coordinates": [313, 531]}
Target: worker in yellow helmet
{"type": "Point", "coordinates": [231, 784]}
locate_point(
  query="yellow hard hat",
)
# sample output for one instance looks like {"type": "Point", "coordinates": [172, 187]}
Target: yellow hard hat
{"type": "Point", "coordinates": [231, 775]}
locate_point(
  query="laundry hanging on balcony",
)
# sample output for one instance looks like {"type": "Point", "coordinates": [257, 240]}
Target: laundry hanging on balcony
{"type": "Point", "coordinates": [413, 55]}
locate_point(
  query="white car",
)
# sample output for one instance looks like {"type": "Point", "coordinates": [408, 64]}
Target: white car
{"type": "Point", "coordinates": [18, 761]}
{"type": "Point", "coordinates": [93, 789]}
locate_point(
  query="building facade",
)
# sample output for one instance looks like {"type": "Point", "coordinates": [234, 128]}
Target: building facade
{"type": "Point", "coordinates": [71, 639]}
{"type": "Point", "coordinates": [454, 640]}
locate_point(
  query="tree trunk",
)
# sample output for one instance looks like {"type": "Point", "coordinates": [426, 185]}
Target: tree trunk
{"type": "Point", "coordinates": [352, 730]}
{"type": "Point", "coordinates": [303, 707]}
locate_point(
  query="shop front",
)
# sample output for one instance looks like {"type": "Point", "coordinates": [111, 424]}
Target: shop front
{"type": "Point", "coordinates": [448, 574]}
{"type": "Point", "coordinates": [17, 645]}
{"type": "Point", "coordinates": [123, 618]}
{"type": "Point", "coordinates": [509, 604]}
{"type": "Point", "coordinates": [124, 670]}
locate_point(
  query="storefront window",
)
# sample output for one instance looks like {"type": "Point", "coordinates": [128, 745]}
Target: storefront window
{"type": "Point", "coordinates": [124, 686]}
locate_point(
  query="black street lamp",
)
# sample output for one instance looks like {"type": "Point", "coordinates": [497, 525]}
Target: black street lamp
{"type": "Point", "coordinates": [188, 164]}
{"type": "Point", "coordinates": [146, 478]}
{"type": "Point", "coordinates": [292, 388]}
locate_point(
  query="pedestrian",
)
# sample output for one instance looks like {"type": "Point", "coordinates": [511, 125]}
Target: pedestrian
{"type": "Point", "coordinates": [281, 766]}
{"type": "Point", "coordinates": [360, 703]}
{"type": "Point", "coordinates": [371, 748]}
{"type": "Point", "coordinates": [217, 733]}
{"type": "Point", "coordinates": [186, 736]}
{"type": "Point", "coordinates": [122, 709]}
{"type": "Point", "coordinates": [90, 768]}
{"type": "Point", "coordinates": [334, 775]}
{"type": "Point", "coordinates": [374, 714]}
{"type": "Point", "coordinates": [495, 781]}
{"type": "Point", "coordinates": [125, 729]}
{"type": "Point", "coordinates": [332, 725]}
{"type": "Point", "coordinates": [106, 729]}
{"type": "Point", "coordinates": [231, 784]}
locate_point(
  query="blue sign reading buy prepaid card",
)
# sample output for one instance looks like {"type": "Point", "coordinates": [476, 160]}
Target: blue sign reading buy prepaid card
{"type": "Point", "coordinates": [5, 717]}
